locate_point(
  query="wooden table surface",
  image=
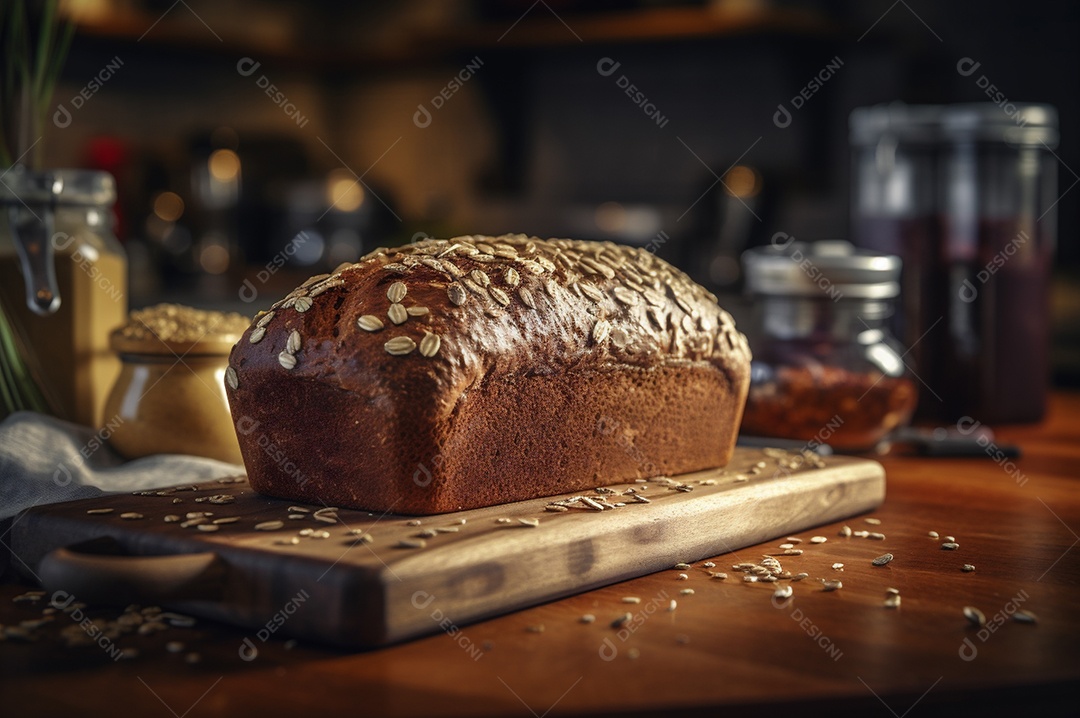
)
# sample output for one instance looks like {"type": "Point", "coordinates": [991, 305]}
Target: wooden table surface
{"type": "Point", "coordinates": [728, 644]}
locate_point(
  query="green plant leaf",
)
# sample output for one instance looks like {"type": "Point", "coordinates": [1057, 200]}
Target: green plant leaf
{"type": "Point", "coordinates": [31, 71]}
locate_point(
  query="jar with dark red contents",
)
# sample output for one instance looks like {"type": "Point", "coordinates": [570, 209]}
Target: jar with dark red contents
{"type": "Point", "coordinates": [967, 196]}
{"type": "Point", "coordinates": [826, 368]}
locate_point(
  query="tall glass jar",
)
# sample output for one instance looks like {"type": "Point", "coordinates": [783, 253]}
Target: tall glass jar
{"type": "Point", "coordinates": [826, 369]}
{"type": "Point", "coordinates": [63, 283]}
{"type": "Point", "coordinates": [966, 195]}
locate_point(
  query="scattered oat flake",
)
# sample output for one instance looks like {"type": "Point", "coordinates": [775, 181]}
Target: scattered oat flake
{"type": "Point", "coordinates": [681, 577]}
{"type": "Point", "coordinates": [529, 522]}
{"type": "Point", "coordinates": [872, 521]}
{"type": "Point", "coordinates": [718, 576]}
{"type": "Point", "coordinates": [838, 567]}
{"type": "Point", "coordinates": [967, 567]}
{"type": "Point", "coordinates": [975, 616]}
{"type": "Point", "coordinates": [131, 516]}
{"type": "Point", "coordinates": [933, 534]}
{"type": "Point", "coordinates": [882, 559]}
{"type": "Point", "coordinates": [793, 539]}
{"type": "Point", "coordinates": [687, 592]}
{"type": "Point", "coordinates": [783, 592]}
{"type": "Point", "coordinates": [177, 619]}
{"type": "Point", "coordinates": [1023, 616]}
{"type": "Point", "coordinates": [681, 566]}
{"type": "Point", "coordinates": [832, 585]}
{"type": "Point", "coordinates": [786, 545]}
{"type": "Point", "coordinates": [845, 531]}
{"type": "Point", "coordinates": [99, 511]}
{"type": "Point", "coordinates": [950, 546]}
{"type": "Point", "coordinates": [587, 618]}
{"type": "Point", "coordinates": [269, 525]}
{"type": "Point", "coordinates": [818, 539]}
{"type": "Point", "coordinates": [892, 600]}
{"type": "Point", "coordinates": [621, 620]}
{"type": "Point", "coordinates": [708, 564]}
{"type": "Point", "coordinates": [535, 628]}
{"type": "Point", "coordinates": [673, 605]}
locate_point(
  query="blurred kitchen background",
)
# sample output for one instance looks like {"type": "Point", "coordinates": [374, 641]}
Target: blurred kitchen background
{"type": "Point", "coordinates": [235, 126]}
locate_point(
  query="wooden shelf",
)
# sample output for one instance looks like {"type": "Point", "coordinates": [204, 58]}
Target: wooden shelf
{"type": "Point", "coordinates": [542, 29]}
{"type": "Point", "coordinates": [538, 29]}
{"type": "Point", "coordinates": [139, 28]}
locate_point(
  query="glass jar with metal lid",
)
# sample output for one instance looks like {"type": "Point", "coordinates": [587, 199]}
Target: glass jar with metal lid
{"type": "Point", "coordinates": [826, 369]}
{"type": "Point", "coordinates": [966, 195]}
{"type": "Point", "coordinates": [63, 283]}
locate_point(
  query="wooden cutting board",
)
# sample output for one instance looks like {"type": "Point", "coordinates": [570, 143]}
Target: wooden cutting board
{"type": "Point", "coordinates": [479, 564]}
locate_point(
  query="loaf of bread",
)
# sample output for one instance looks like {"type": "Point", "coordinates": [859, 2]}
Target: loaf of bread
{"type": "Point", "coordinates": [454, 374]}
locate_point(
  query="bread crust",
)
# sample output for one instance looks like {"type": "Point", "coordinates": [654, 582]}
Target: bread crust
{"type": "Point", "coordinates": [559, 366]}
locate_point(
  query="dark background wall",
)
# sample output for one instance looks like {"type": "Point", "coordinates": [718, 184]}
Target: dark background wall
{"type": "Point", "coordinates": [536, 139]}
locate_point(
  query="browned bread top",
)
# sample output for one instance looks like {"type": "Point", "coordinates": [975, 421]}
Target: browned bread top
{"type": "Point", "coordinates": [457, 310]}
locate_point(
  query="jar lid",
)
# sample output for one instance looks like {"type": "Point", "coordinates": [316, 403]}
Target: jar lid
{"type": "Point", "coordinates": [1011, 123]}
{"type": "Point", "coordinates": [64, 186]}
{"type": "Point", "coordinates": [912, 123]}
{"type": "Point", "coordinates": [829, 268]}
{"type": "Point", "coordinates": [166, 329]}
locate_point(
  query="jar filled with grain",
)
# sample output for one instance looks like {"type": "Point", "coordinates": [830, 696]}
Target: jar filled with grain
{"type": "Point", "coordinates": [63, 284]}
{"type": "Point", "coordinates": [170, 396]}
{"type": "Point", "coordinates": [826, 369]}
